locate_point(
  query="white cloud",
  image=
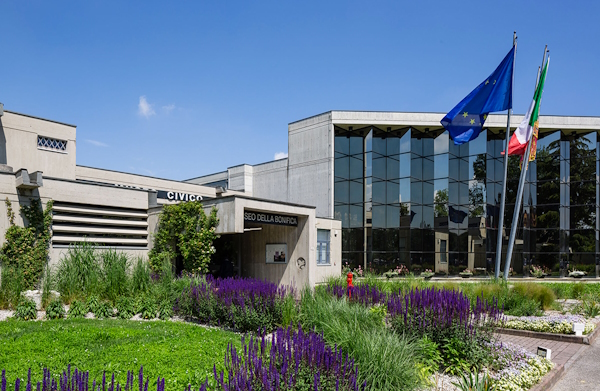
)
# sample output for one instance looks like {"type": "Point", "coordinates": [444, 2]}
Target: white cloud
{"type": "Point", "coordinates": [97, 143]}
{"type": "Point", "coordinates": [168, 108]}
{"type": "Point", "coordinates": [144, 108]}
{"type": "Point", "coordinates": [280, 155]}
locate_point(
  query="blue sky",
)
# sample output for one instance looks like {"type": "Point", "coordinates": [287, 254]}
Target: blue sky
{"type": "Point", "coordinates": [187, 89]}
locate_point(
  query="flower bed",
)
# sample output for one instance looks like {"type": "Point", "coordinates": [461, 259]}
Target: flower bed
{"type": "Point", "coordinates": [246, 304]}
{"type": "Point", "coordinates": [292, 360]}
{"type": "Point", "coordinates": [515, 368]}
{"type": "Point", "coordinates": [556, 324]}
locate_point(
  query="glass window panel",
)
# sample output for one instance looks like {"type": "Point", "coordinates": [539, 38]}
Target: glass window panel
{"type": "Point", "coordinates": [548, 192]}
{"type": "Point", "coordinates": [356, 192]}
{"type": "Point", "coordinates": [352, 239]}
{"type": "Point", "coordinates": [582, 193]}
{"type": "Point", "coordinates": [380, 146]}
{"type": "Point", "coordinates": [453, 196]}
{"type": "Point", "coordinates": [478, 146]}
{"type": "Point", "coordinates": [404, 190]}
{"type": "Point", "coordinates": [546, 216]}
{"type": "Point", "coordinates": [416, 192]}
{"type": "Point", "coordinates": [428, 147]}
{"type": "Point", "coordinates": [405, 165]}
{"type": "Point", "coordinates": [498, 170]}
{"type": "Point", "coordinates": [583, 217]}
{"type": "Point", "coordinates": [477, 166]}
{"type": "Point", "coordinates": [393, 146]}
{"type": "Point", "coordinates": [453, 149]}
{"type": "Point", "coordinates": [463, 193]}
{"type": "Point", "coordinates": [405, 142]}
{"type": "Point", "coordinates": [392, 216]}
{"type": "Point", "coordinates": [378, 167]}
{"type": "Point", "coordinates": [453, 167]}
{"type": "Point", "coordinates": [356, 145]}
{"type": "Point", "coordinates": [342, 145]}
{"type": "Point", "coordinates": [440, 145]}
{"type": "Point", "coordinates": [416, 240]}
{"type": "Point", "coordinates": [428, 193]}
{"type": "Point", "coordinates": [393, 167]}
{"type": "Point", "coordinates": [416, 216]}
{"type": "Point", "coordinates": [464, 170]}
{"type": "Point", "coordinates": [368, 164]}
{"type": "Point", "coordinates": [440, 166]}
{"type": "Point", "coordinates": [379, 192]}
{"type": "Point", "coordinates": [356, 216]}
{"type": "Point", "coordinates": [428, 219]}
{"type": "Point", "coordinates": [393, 193]}
{"type": "Point", "coordinates": [369, 190]}
{"type": "Point", "coordinates": [416, 167]}
{"type": "Point", "coordinates": [356, 168]}
{"type": "Point", "coordinates": [341, 192]}
{"type": "Point", "coordinates": [342, 168]}
{"type": "Point", "coordinates": [379, 239]}
{"type": "Point", "coordinates": [582, 241]}
{"type": "Point", "coordinates": [405, 215]}
{"type": "Point", "coordinates": [379, 216]}
{"type": "Point", "coordinates": [428, 169]}
{"type": "Point", "coordinates": [353, 259]}
{"type": "Point", "coordinates": [477, 199]}
{"type": "Point", "coordinates": [416, 146]}
{"type": "Point", "coordinates": [341, 212]}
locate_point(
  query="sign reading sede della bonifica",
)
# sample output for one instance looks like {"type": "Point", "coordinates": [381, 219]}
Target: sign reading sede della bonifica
{"type": "Point", "coordinates": [270, 218]}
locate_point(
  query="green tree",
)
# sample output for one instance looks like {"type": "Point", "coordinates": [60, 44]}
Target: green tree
{"type": "Point", "coordinates": [184, 230]}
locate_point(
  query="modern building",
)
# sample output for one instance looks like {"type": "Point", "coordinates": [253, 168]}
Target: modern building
{"type": "Point", "coordinates": [405, 194]}
{"type": "Point", "coordinates": [282, 241]}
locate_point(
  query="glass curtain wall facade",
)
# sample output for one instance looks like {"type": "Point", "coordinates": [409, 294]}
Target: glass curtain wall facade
{"type": "Point", "coordinates": [410, 196]}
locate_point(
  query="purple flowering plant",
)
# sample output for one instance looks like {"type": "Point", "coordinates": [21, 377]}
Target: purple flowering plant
{"type": "Point", "coordinates": [246, 304]}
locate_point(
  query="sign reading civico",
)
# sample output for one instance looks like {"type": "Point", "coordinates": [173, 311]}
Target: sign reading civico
{"type": "Point", "coordinates": [176, 196]}
{"type": "Point", "coordinates": [270, 218]}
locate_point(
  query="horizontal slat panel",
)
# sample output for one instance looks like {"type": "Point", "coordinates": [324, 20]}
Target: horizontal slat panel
{"type": "Point", "coordinates": [121, 241]}
{"type": "Point", "coordinates": [96, 221]}
{"type": "Point", "coordinates": [98, 230]}
{"type": "Point", "coordinates": [98, 211]}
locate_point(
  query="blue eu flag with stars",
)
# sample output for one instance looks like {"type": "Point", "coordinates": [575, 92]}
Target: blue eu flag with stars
{"type": "Point", "coordinates": [465, 121]}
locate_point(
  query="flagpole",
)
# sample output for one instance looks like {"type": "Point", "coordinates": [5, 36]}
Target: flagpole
{"type": "Point", "coordinates": [501, 222]}
{"type": "Point", "coordinates": [515, 221]}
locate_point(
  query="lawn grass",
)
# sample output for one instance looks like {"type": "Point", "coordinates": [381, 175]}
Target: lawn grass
{"type": "Point", "coordinates": [181, 353]}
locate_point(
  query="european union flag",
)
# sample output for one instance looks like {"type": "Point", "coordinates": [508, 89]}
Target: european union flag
{"type": "Point", "coordinates": [465, 121]}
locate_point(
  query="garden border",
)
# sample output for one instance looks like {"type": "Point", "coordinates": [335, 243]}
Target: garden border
{"type": "Point", "coordinates": [584, 340]}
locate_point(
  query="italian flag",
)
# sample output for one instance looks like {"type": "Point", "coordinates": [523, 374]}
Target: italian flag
{"type": "Point", "coordinates": [518, 142]}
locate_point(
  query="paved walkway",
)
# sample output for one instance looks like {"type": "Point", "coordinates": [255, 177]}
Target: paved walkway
{"type": "Point", "coordinates": [584, 372]}
{"type": "Point", "coordinates": [561, 351]}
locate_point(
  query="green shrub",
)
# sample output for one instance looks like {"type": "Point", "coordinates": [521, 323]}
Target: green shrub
{"type": "Point", "coordinates": [26, 309]}
{"type": "Point", "coordinates": [140, 278]}
{"type": "Point", "coordinates": [147, 307]}
{"type": "Point", "coordinates": [77, 309]}
{"type": "Point", "coordinates": [46, 287]}
{"type": "Point", "coordinates": [525, 307]}
{"type": "Point", "coordinates": [577, 290]}
{"type": "Point", "coordinates": [11, 287]}
{"type": "Point", "coordinates": [589, 306]}
{"type": "Point", "coordinates": [79, 273]}
{"type": "Point", "coordinates": [431, 357]}
{"type": "Point", "coordinates": [104, 310]}
{"type": "Point", "coordinates": [114, 274]}
{"type": "Point", "coordinates": [125, 307]}
{"type": "Point", "coordinates": [92, 304]}
{"type": "Point", "coordinates": [26, 248]}
{"type": "Point", "coordinates": [541, 293]}
{"type": "Point", "coordinates": [473, 382]}
{"type": "Point", "coordinates": [386, 361]}
{"type": "Point", "coordinates": [55, 310]}
{"type": "Point", "coordinates": [289, 311]}
{"type": "Point", "coordinates": [165, 310]}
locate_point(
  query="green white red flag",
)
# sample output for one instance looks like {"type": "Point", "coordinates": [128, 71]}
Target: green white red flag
{"type": "Point", "coordinates": [530, 124]}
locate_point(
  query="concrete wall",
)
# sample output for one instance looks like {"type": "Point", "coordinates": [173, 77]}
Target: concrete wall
{"type": "Point", "coordinates": [271, 181]}
{"type": "Point", "coordinates": [19, 148]}
{"type": "Point", "coordinates": [310, 163]}
{"type": "Point", "coordinates": [334, 269]}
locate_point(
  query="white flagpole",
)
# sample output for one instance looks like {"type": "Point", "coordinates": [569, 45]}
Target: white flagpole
{"type": "Point", "coordinates": [503, 198]}
{"type": "Point", "coordinates": [515, 221]}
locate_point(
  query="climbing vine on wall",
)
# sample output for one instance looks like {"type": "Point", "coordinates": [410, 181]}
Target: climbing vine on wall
{"type": "Point", "coordinates": [185, 230]}
{"type": "Point", "coordinates": [26, 248]}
